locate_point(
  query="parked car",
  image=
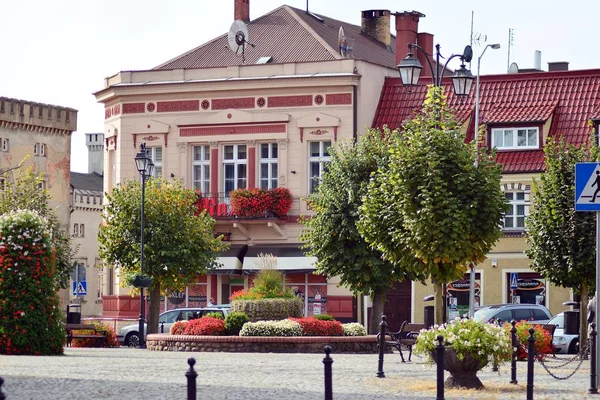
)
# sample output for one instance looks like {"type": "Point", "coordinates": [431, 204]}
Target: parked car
{"type": "Point", "coordinates": [532, 313]}
{"type": "Point", "coordinates": [563, 343]}
{"type": "Point", "coordinates": [130, 336]}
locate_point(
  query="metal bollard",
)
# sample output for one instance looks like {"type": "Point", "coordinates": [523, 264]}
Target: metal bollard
{"type": "Point", "coordinates": [530, 360]}
{"type": "Point", "coordinates": [382, 331]}
{"type": "Point", "coordinates": [327, 361]}
{"type": "Point", "coordinates": [191, 380]}
{"type": "Point", "coordinates": [593, 373]}
{"type": "Point", "coordinates": [2, 396]}
{"type": "Point", "coordinates": [162, 327]}
{"type": "Point", "coordinates": [513, 360]}
{"type": "Point", "coordinates": [440, 367]}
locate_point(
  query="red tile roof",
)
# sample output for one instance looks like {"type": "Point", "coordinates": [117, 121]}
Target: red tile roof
{"type": "Point", "coordinates": [571, 98]}
{"type": "Point", "coordinates": [283, 35]}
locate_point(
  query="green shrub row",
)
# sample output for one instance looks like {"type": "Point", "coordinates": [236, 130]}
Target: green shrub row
{"type": "Point", "coordinates": [269, 309]}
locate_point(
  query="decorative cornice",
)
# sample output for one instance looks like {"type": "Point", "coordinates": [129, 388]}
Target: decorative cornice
{"type": "Point", "coordinates": [232, 130]}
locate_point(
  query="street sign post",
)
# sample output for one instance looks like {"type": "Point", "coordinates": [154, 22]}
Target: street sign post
{"type": "Point", "coordinates": [514, 279]}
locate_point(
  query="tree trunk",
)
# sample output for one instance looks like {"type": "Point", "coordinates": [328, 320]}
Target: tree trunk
{"type": "Point", "coordinates": [583, 324]}
{"type": "Point", "coordinates": [152, 317]}
{"type": "Point", "coordinates": [379, 298]}
{"type": "Point", "coordinates": [439, 303]}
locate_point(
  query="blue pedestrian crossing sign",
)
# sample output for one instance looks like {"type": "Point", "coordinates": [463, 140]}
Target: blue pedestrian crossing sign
{"type": "Point", "coordinates": [79, 288]}
{"type": "Point", "coordinates": [587, 186]}
{"type": "Point", "coordinates": [514, 280]}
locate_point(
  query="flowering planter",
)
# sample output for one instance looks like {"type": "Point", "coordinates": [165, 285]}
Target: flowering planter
{"type": "Point", "coordinates": [463, 373]}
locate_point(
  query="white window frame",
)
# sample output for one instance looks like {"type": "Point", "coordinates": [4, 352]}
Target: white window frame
{"type": "Point", "coordinates": [200, 182]}
{"type": "Point", "coordinates": [323, 159]}
{"type": "Point", "coordinates": [235, 162]}
{"type": "Point", "coordinates": [153, 153]}
{"type": "Point", "coordinates": [270, 180]}
{"type": "Point", "coordinates": [514, 215]}
{"type": "Point", "coordinates": [515, 132]}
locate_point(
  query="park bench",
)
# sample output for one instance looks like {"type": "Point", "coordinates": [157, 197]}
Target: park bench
{"type": "Point", "coordinates": [550, 328]}
{"type": "Point", "coordinates": [406, 336]}
{"type": "Point", "coordinates": [99, 336]}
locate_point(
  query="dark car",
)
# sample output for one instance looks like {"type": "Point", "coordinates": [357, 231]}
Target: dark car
{"type": "Point", "coordinates": [532, 313]}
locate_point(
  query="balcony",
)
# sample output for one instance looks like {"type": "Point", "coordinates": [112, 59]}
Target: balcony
{"type": "Point", "coordinates": [249, 204]}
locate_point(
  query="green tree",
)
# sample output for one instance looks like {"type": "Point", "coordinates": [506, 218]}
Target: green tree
{"type": "Point", "coordinates": [22, 192]}
{"type": "Point", "coordinates": [430, 209]}
{"type": "Point", "coordinates": [331, 233]}
{"type": "Point", "coordinates": [179, 241]}
{"type": "Point", "coordinates": [562, 242]}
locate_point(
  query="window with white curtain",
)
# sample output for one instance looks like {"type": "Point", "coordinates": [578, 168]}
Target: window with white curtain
{"type": "Point", "coordinates": [156, 154]}
{"type": "Point", "coordinates": [514, 219]}
{"type": "Point", "coordinates": [515, 138]}
{"type": "Point", "coordinates": [318, 158]}
{"type": "Point", "coordinates": [201, 168]}
{"type": "Point", "coordinates": [268, 165]}
{"type": "Point", "coordinates": [235, 163]}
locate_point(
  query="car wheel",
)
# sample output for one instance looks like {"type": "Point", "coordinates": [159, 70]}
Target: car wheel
{"type": "Point", "coordinates": [574, 346]}
{"type": "Point", "coordinates": [132, 339]}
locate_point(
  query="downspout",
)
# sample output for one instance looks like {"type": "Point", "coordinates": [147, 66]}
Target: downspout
{"type": "Point", "coordinates": [355, 114]}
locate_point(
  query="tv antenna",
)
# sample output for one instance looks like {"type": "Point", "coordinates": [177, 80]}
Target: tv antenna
{"type": "Point", "coordinates": [237, 38]}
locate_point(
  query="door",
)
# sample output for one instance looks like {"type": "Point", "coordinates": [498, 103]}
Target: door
{"type": "Point", "coordinates": [397, 306]}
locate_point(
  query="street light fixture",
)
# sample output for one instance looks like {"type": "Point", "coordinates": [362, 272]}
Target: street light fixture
{"type": "Point", "coordinates": [410, 69]}
{"type": "Point", "coordinates": [494, 46]}
{"type": "Point", "coordinates": [145, 167]}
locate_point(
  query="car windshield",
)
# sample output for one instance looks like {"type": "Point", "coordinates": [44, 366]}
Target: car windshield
{"type": "Point", "coordinates": [559, 320]}
{"type": "Point", "coordinates": [484, 314]}
{"type": "Point", "coordinates": [168, 317]}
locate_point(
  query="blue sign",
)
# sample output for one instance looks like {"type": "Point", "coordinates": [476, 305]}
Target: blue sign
{"type": "Point", "coordinates": [587, 186]}
{"type": "Point", "coordinates": [79, 288]}
{"type": "Point", "coordinates": [514, 279]}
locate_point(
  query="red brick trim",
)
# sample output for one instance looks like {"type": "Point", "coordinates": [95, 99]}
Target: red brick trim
{"type": "Point", "coordinates": [290, 101]}
{"type": "Point", "coordinates": [134, 108]}
{"type": "Point", "coordinates": [338, 98]}
{"type": "Point", "coordinates": [242, 102]}
{"type": "Point", "coordinates": [180, 105]}
{"type": "Point", "coordinates": [232, 130]}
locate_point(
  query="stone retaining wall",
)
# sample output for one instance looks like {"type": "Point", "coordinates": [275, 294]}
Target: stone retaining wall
{"type": "Point", "coordinates": [262, 344]}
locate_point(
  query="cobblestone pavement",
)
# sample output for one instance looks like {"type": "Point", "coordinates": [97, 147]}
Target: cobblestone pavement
{"type": "Point", "coordinates": [131, 374]}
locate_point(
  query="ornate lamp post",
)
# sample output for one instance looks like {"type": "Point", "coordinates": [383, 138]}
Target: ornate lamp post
{"type": "Point", "coordinates": [145, 167]}
{"type": "Point", "coordinates": [494, 46]}
{"type": "Point", "coordinates": [410, 69]}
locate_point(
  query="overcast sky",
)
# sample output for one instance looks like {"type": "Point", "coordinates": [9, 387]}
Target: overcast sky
{"type": "Point", "coordinates": [60, 51]}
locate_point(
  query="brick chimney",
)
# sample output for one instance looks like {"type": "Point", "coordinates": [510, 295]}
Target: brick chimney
{"type": "Point", "coordinates": [425, 40]}
{"type": "Point", "coordinates": [376, 24]}
{"type": "Point", "coordinates": [241, 10]}
{"type": "Point", "coordinates": [407, 26]}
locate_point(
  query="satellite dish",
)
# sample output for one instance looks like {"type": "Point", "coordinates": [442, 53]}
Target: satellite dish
{"type": "Point", "coordinates": [513, 69]}
{"type": "Point", "coordinates": [340, 39]}
{"type": "Point", "coordinates": [237, 37]}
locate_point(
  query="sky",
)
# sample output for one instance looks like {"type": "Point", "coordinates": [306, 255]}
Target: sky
{"type": "Point", "coordinates": [59, 52]}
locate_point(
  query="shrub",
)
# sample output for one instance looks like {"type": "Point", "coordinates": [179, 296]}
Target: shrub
{"type": "Point", "coordinates": [269, 309]}
{"type": "Point", "coordinates": [178, 328]}
{"type": "Point", "coordinates": [314, 327]}
{"type": "Point", "coordinates": [284, 327]}
{"type": "Point", "coordinates": [543, 341]}
{"type": "Point", "coordinates": [234, 322]}
{"type": "Point", "coordinates": [354, 329]}
{"type": "Point", "coordinates": [110, 333]}
{"type": "Point", "coordinates": [324, 317]}
{"type": "Point", "coordinates": [30, 314]}
{"type": "Point", "coordinates": [205, 326]}
{"type": "Point", "coordinates": [215, 314]}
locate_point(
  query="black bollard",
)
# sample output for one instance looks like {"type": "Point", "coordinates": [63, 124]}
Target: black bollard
{"type": "Point", "coordinates": [440, 367]}
{"type": "Point", "coordinates": [191, 380]}
{"type": "Point", "coordinates": [327, 361]}
{"type": "Point", "coordinates": [513, 360]}
{"type": "Point", "coordinates": [593, 373]}
{"type": "Point", "coordinates": [2, 396]}
{"type": "Point", "coordinates": [382, 331]}
{"type": "Point", "coordinates": [162, 327]}
{"type": "Point", "coordinates": [530, 360]}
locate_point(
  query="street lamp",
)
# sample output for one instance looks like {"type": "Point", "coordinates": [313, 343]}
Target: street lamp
{"type": "Point", "coordinates": [145, 167]}
{"type": "Point", "coordinates": [410, 69]}
{"type": "Point", "coordinates": [494, 46]}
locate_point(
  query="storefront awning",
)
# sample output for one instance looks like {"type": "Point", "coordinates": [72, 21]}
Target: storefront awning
{"type": "Point", "coordinates": [231, 260]}
{"type": "Point", "coordinates": [289, 259]}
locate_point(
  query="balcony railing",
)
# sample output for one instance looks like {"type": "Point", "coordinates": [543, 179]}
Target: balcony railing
{"type": "Point", "coordinates": [222, 206]}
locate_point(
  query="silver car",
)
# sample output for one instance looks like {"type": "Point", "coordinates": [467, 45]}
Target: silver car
{"type": "Point", "coordinates": [130, 336]}
{"type": "Point", "coordinates": [563, 343]}
{"type": "Point", "coordinates": [532, 313]}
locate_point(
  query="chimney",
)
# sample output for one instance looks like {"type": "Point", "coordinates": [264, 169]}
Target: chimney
{"type": "Point", "coordinates": [376, 24]}
{"type": "Point", "coordinates": [242, 10]}
{"type": "Point", "coordinates": [407, 25]}
{"type": "Point", "coordinates": [537, 60]}
{"type": "Point", "coordinates": [558, 66]}
{"type": "Point", "coordinates": [425, 40]}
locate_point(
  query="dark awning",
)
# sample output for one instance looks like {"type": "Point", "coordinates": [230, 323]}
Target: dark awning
{"type": "Point", "coordinates": [231, 260]}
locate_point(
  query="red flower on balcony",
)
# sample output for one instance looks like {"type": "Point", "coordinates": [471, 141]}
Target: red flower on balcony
{"type": "Point", "coordinates": [260, 203]}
